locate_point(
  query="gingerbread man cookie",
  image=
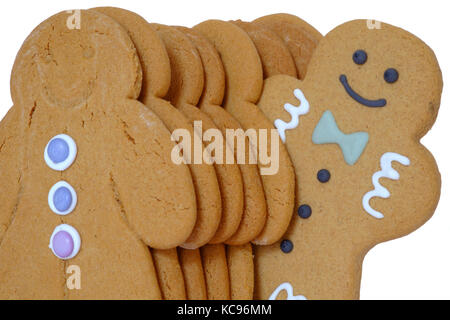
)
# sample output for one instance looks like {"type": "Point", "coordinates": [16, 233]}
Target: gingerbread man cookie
{"type": "Point", "coordinates": [87, 169]}
{"type": "Point", "coordinates": [352, 129]}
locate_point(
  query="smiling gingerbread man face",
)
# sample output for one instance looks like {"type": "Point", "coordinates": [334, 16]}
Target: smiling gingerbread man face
{"type": "Point", "coordinates": [352, 130]}
{"type": "Point", "coordinates": [377, 76]}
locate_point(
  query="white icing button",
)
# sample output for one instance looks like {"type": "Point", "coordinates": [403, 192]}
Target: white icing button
{"type": "Point", "coordinates": [62, 198]}
{"type": "Point", "coordinates": [60, 152]}
{"type": "Point", "coordinates": [65, 242]}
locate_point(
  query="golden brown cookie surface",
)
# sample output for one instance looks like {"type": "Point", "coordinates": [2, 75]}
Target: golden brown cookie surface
{"type": "Point", "coordinates": [274, 54]}
{"type": "Point", "coordinates": [203, 175]}
{"type": "Point", "coordinates": [194, 276]}
{"type": "Point", "coordinates": [216, 271]}
{"type": "Point", "coordinates": [188, 70]}
{"type": "Point", "coordinates": [241, 271]}
{"type": "Point", "coordinates": [185, 91]}
{"type": "Point", "coordinates": [254, 215]}
{"type": "Point", "coordinates": [243, 87]}
{"type": "Point", "coordinates": [170, 274]}
{"type": "Point", "coordinates": [155, 59]}
{"type": "Point", "coordinates": [300, 37]}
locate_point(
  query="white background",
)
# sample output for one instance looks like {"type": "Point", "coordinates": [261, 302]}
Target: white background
{"type": "Point", "coordinates": [414, 267]}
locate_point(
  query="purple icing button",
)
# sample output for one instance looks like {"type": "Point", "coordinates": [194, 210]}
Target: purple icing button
{"type": "Point", "coordinates": [62, 199]}
{"type": "Point", "coordinates": [65, 242]}
{"type": "Point", "coordinates": [58, 150]}
{"type": "Point", "coordinates": [62, 244]}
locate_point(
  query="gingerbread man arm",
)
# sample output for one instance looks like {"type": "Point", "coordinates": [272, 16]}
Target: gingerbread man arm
{"type": "Point", "coordinates": [10, 171]}
{"type": "Point", "coordinates": [155, 194]}
{"type": "Point", "coordinates": [403, 194]}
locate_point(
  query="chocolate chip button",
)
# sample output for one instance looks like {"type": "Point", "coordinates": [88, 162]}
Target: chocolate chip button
{"type": "Point", "coordinates": [304, 211]}
{"type": "Point", "coordinates": [286, 246]}
{"type": "Point", "coordinates": [323, 175]}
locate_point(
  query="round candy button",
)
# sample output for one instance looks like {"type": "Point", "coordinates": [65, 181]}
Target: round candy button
{"type": "Point", "coordinates": [323, 175]}
{"type": "Point", "coordinates": [62, 244]}
{"type": "Point", "coordinates": [304, 211]}
{"type": "Point", "coordinates": [62, 198]}
{"type": "Point", "coordinates": [60, 152]}
{"type": "Point", "coordinates": [286, 246]}
{"type": "Point", "coordinates": [65, 242]}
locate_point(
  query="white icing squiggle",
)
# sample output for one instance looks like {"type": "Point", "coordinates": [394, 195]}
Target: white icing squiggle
{"type": "Point", "coordinates": [386, 172]}
{"type": "Point", "coordinates": [286, 286]}
{"type": "Point", "coordinates": [295, 112]}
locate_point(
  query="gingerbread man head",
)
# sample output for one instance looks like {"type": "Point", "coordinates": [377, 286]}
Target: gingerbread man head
{"type": "Point", "coordinates": [378, 76]}
{"type": "Point", "coordinates": [352, 130]}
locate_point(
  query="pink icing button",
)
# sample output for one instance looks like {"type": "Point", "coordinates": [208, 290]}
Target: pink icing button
{"type": "Point", "coordinates": [62, 244]}
{"type": "Point", "coordinates": [65, 242]}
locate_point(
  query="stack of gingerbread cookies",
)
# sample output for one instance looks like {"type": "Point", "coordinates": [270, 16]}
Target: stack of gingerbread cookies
{"type": "Point", "coordinates": [104, 198]}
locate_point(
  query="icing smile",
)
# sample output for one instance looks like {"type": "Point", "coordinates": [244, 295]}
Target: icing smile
{"type": "Point", "coordinates": [358, 98]}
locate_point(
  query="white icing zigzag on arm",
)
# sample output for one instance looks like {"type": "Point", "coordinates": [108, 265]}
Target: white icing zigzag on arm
{"type": "Point", "coordinates": [295, 112]}
{"type": "Point", "coordinates": [386, 172]}
{"type": "Point", "coordinates": [289, 290]}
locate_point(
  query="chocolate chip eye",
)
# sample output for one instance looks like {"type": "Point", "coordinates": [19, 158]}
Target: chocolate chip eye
{"type": "Point", "coordinates": [360, 57]}
{"type": "Point", "coordinates": [390, 75]}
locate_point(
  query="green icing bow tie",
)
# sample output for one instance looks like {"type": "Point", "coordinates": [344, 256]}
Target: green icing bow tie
{"type": "Point", "coordinates": [352, 145]}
